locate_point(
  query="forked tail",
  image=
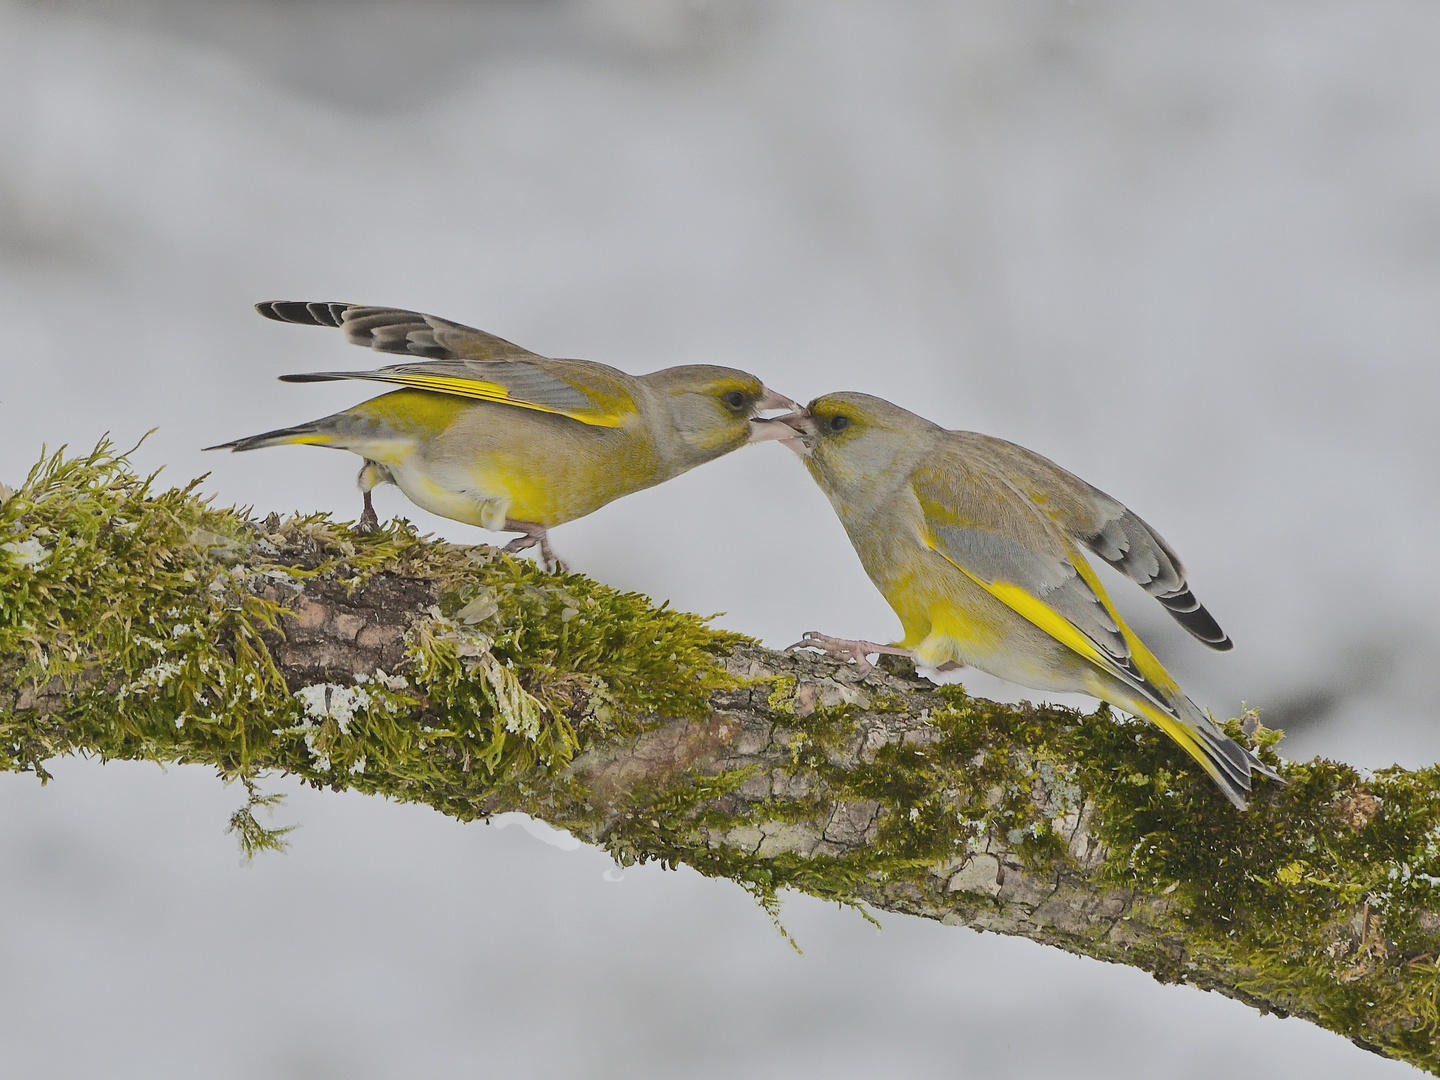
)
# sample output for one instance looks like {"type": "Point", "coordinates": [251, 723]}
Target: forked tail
{"type": "Point", "coordinates": [1229, 764]}
{"type": "Point", "coordinates": [311, 434]}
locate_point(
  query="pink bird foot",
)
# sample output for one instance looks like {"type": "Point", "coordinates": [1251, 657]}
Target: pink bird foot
{"type": "Point", "coordinates": [534, 536]}
{"type": "Point", "coordinates": [847, 649]}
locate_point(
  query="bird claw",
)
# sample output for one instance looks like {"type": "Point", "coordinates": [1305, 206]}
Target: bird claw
{"type": "Point", "coordinates": [368, 522]}
{"type": "Point", "coordinates": [549, 561]}
{"type": "Point", "coordinates": [847, 649]}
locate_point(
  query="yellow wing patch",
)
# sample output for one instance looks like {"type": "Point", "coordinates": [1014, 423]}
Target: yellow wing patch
{"type": "Point", "coordinates": [1062, 630]}
{"type": "Point", "coordinates": [487, 391]}
{"type": "Point", "coordinates": [1025, 604]}
{"type": "Point", "coordinates": [1045, 617]}
{"type": "Point", "coordinates": [1144, 660]}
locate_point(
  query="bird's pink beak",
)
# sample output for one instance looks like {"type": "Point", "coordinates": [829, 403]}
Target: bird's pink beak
{"type": "Point", "coordinates": [771, 401]}
{"type": "Point", "coordinates": [792, 431]}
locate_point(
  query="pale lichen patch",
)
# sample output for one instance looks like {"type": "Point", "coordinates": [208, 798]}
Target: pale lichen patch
{"type": "Point", "coordinates": [981, 874]}
{"type": "Point", "coordinates": [27, 553]}
{"type": "Point", "coordinates": [330, 701]}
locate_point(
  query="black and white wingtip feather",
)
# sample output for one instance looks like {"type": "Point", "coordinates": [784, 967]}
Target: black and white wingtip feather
{"type": "Point", "coordinates": [1191, 614]}
{"type": "Point", "coordinates": [303, 314]}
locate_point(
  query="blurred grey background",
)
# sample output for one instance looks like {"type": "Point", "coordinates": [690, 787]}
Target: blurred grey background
{"type": "Point", "coordinates": [1190, 251]}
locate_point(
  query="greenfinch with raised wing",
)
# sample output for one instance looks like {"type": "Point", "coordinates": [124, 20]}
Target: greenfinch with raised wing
{"type": "Point", "coordinates": [485, 432]}
{"type": "Point", "coordinates": [978, 545]}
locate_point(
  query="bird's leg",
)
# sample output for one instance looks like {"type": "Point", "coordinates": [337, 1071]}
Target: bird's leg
{"type": "Point", "coordinates": [848, 649]}
{"type": "Point", "coordinates": [368, 521]}
{"type": "Point", "coordinates": [548, 558]}
{"type": "Point", "coordinates": [533, 536]}
{"type": "Point", "coordinates": [371, 473]}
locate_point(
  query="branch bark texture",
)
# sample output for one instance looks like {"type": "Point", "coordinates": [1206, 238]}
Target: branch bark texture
{"type": "Point", "coordinates": [144, 624]}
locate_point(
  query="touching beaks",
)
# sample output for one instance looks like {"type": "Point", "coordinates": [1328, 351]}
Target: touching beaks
{"type": "Point", "coordinates": [772, 401]}
{"type": "Point", "coordinates": [790, 431]}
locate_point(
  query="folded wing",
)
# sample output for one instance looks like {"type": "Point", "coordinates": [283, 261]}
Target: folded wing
{"type": "Point", "coordinates": [1141, 554]}
{"type": "Point", "coordinates": [981, 518]}
{"type": "Point", "coordinates": [1002, 541]}
{"type": "Point", "coordinates": [1102, 525]}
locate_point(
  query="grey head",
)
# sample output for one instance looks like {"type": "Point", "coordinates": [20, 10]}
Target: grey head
{"type": "Point", "coordinates": [858, 447]}
{"type": "Point", "coordinates": [699, 412]}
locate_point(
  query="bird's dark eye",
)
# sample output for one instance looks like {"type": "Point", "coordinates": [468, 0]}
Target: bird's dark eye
{"type": "Point", "coordinates": [734, 399]}
{"type": "Point", "coordinates": [839, 423]}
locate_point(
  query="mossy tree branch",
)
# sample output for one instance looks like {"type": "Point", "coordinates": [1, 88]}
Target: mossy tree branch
{"type": "Point", "coordinates": [137, 623]}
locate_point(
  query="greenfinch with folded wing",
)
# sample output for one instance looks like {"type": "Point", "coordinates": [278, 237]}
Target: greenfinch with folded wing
{"type": "Point", "coordinates": [978, 545]}
{"type": "Point", "coordinates": [485, 432]}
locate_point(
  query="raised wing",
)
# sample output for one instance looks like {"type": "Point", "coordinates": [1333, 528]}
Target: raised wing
{"type": "Point", "coordinates": [1104, 526]}
{"type": "Point", "coordinates": [467, 363]}
{"type": "Point", "coordinates": [395, 330]}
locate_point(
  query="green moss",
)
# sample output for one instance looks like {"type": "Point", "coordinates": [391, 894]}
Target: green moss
{"type": "Point", "coordinates": [110, 569]}
{"type": "Point", "coordinates": [782, 693]}
{"type": "Point", "coordinates": [114, 592]}
{"type": "Point", "coordinates": [1317, 888]}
